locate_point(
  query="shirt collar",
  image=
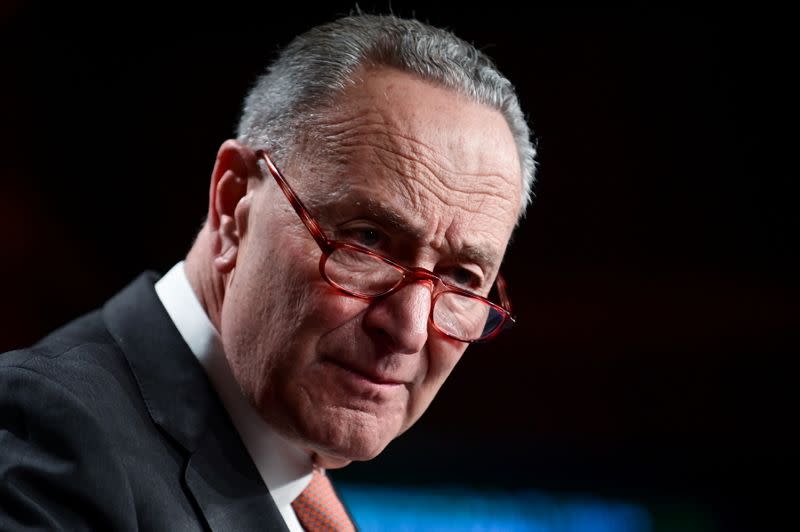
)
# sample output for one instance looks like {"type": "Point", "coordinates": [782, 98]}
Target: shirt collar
{"type": "Point", "coordinates": [285, 468]}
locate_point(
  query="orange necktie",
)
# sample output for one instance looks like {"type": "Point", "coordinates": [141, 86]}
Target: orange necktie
{"type": "Point", "coordinates": [319, 509]}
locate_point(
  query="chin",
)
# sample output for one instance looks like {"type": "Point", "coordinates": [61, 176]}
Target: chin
{"type": "Point", "coordinates": [337, 457]}
{"type": "Point", "coordinates": [346, 436]}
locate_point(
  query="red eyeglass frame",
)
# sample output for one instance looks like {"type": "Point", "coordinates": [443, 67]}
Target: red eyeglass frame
{"type": "Point", "coordinates": [410, 275]}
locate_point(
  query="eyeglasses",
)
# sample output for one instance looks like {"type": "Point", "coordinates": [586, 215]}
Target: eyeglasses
{"type": "Point", "coordinates": [365, 274]}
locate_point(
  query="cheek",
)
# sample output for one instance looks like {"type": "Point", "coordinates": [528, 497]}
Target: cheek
{"type": "Point", "coordinates": [272, 337]}
{"type": "Point", "coordinates": [262, 302]}
{"type": "Point", "coordinates": [328, 309]}
{"type": "Point", "coordinates": [442, 358]}
{"type": "Point", "coordinates": [444, 355]}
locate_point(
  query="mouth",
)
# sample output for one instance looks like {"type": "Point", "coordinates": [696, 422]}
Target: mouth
{"type": "Point", "coordinates": [373, 378]}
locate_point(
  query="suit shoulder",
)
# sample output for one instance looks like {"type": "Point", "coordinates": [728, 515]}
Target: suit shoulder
{"type": "Point", "coordinates": [62, 405]}
{"type": "Point", "coordinates": [48, 435]}
{"type": "Point", "coordinates": [82, 358]}
{"type": "Point", "coordinates": [83, 342]}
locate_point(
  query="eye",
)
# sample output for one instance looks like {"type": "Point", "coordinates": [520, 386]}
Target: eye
{"type": "Point", "coordinates": [464, 278]}
{"type": "Point", "coordinates": [364, 236]}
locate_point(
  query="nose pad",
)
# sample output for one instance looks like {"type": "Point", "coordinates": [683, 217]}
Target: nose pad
{"type": "Point", "coordinates": [400, 320]}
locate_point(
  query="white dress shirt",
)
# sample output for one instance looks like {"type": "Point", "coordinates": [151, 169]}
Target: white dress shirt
{"type": "Point", "coordinates": [285, 469]}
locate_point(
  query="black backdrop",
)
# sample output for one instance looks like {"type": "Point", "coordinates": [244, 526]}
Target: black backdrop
{"type": "Point", "coordinates": [654, 278]}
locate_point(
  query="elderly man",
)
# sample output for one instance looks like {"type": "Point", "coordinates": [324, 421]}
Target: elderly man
{"type": "Point", "coordinates": [354, 235]}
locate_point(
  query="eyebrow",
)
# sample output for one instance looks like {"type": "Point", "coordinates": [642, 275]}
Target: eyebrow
{"type": "Point", "coordinates": [396, 221]}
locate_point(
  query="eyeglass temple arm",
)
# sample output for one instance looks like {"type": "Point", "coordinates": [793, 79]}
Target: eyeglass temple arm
{"type": "Point", "coordinates": [310, 223]}
{"type": "Point", "coordinates": [502, 289]}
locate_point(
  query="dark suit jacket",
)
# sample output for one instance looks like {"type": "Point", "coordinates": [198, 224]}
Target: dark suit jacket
{"type": "Point", "coordinates": [110, 423]}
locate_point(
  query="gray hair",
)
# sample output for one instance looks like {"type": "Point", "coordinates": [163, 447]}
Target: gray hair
{"type": "Point", "coordinates": [319, 64]}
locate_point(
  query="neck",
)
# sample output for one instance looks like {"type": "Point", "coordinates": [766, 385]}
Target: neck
{"type": "Point", "coordinates": [208, 284]}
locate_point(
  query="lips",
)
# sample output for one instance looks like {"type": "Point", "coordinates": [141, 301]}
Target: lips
{"type": "Point", "coordinates": [374, 377]}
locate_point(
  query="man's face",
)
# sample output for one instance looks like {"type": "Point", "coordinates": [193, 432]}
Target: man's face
{"type": "Point", "coordinates": [413, 171]}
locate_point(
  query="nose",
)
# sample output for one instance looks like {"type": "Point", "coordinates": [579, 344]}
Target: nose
{"type": "Point", "coordinates": [400, 320]}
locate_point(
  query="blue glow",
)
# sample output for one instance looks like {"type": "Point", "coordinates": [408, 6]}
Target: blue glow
{"type": "Point", "coordinates": [407, 509]}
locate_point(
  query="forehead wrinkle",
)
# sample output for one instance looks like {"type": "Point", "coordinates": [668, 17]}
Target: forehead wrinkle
{"type": "Point", "coordinates": [361, 130]}
{"type": "Point", "coordinates": [338, 128]}
{"type": "Point", "coordinates": [413, 156]}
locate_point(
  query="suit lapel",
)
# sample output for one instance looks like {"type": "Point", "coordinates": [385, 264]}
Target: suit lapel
{"type": "Point", "coordinates": [227, 486]}
{"type": "Point", "coordinates": [220, 474]}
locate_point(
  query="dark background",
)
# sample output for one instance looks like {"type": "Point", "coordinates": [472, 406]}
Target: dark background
{"type": "Point", "coordinates": [655, 278]}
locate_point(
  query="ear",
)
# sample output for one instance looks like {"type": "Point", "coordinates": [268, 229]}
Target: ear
{"type": "Point", "coordinates": [229, 201]}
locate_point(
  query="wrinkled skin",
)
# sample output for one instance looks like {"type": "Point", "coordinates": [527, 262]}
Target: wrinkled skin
{"type": "Point", "coordinates": [410, 169]}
